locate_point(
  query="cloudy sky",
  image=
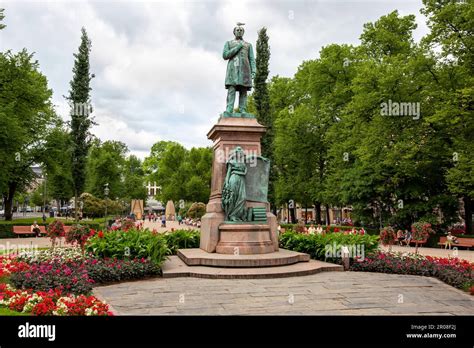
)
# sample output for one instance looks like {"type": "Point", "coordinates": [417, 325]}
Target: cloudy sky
{"type": "Point", "coordinates": [158, 64]}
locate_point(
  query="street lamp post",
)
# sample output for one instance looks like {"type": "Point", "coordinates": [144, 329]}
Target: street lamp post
{"type": "Point", "coordinates": [106, 194]}
{"type": "Point", "coordinates": [44, 194]}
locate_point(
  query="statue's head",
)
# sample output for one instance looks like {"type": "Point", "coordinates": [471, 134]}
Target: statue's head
{"type": "Point", "coordinates": [237, 155]}
{"type": "Point", "coordinates": [239, 32]}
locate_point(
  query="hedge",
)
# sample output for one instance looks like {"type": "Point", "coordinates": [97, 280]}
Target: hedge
{"type": "Point", "coordinates": [6, 227]}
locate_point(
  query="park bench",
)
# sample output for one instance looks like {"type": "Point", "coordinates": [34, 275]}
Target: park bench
{"type": "Point", "coordinates": [18, 230]}
{"type": "Point", "coordinates": [462, 242]}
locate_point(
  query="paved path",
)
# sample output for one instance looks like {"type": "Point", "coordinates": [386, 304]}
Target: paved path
{"type": "Point", "coordinates": [12, 244]}
{"type": "Point", "coordinates": [438, 252]}
{"type": "Point", "coordinates": [169, 225]}
{"type": "Point", "coordinates": [332, 293]}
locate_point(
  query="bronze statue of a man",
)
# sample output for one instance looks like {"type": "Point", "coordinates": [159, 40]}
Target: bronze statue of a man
{"type": "Point", "coordinates": [240, 72]}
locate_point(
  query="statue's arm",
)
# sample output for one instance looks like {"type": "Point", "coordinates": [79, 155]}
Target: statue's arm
{"type": "Point", "coordinates": [253, 67]}
{"type": "Point", "coordinates": [230, 52]}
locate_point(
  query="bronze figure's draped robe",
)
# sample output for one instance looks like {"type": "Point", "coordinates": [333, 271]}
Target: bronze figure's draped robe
{"type": "Point", "coordinates": [234, 193]}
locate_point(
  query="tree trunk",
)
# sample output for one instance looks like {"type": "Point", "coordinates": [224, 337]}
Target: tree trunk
{"type": "Point", "coordinates": [468, 214]}
{"type": "Point", "coordinates": [327, 215]}
{"type": "Point", "coordinates": [9, 201]}
{"type": "Point", "coordinates": [317, 207]}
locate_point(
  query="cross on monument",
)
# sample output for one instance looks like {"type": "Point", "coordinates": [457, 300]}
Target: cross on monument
{"type": "Point", "coordinates": [153, 187]}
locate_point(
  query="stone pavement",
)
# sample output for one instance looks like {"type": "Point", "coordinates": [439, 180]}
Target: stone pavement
{"type": "Point", "coordinates": [11, 244]}
{"type": "Point", "coordinates": [332, 293]}
{"type": "Point", "coordinates": [169, 225]}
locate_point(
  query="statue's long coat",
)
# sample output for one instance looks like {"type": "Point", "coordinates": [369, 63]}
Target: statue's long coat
{"type": "Point", "coordinates": [241, 64]}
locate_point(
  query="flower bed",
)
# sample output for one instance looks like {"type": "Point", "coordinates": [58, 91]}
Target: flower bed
{"type": "Point", "coordinates": [71, 277]}
{"type": "Point", "coordinates": [9, 265]}
{"type": "Point", "coordinates": [58, 254]}
{"type": "Point", "coordinates": [453, 271]}
{"type": "Point", "coordinates": [114, 270]}
{"type": "Point", "coordinates": [53, 302]}
{"type": "Point", "coordinates": [79, 277]}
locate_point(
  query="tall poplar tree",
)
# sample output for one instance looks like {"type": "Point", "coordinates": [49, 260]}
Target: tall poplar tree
{"type": "Point", "coordinates": [2, 16]}
{"type": "Point", "coordinates": [79, 100]}
{"type": "Point", "coordinates": [262, 105]}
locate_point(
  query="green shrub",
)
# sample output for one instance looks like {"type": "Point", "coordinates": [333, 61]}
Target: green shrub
{"type": "Point", "coordinates": [328, 246]}
{"type": "Point", "coordinates": [129, 245]}
{"type": "Point", "coordinates": [197, 210]}
{"type": "Point", "coordinates": [182, 239]}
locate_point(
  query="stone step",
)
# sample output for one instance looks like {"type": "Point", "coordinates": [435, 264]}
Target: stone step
{"type": "Point", "coordinates": [282, 257]}
{"type": "Point", "coordinates": [175, 267]}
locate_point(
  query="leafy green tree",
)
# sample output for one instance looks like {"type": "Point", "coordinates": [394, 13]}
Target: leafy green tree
{"type": "Point", "coordinates": [198, 171]}
{"type": "Point", "coordinates": [105, 165]}
{"type": "Point", "coordinates": [79, 99]}
{"type": "Point", "coordinates": [37, 196]}
{"type": "Point", "coordinates": [57, 165]}
{"type": "Point", "coordinates": [133, 179]}
{"type": "Point", "coordinates": [25, 113]}
{"type": "Point", "coordinates": [181, 173]}
{"type": "Point", "coordinates": [390, 168]}
{"type": "Point", "coordinates": [318, 90]}
{"type": "Point", "coordinates": [451, 29]}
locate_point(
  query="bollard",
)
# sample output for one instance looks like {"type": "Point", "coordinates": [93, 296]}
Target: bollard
{"type": "Point", "coordinates": [345, 257]}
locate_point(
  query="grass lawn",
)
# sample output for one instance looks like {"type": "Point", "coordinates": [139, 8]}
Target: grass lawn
{"type": "Point", "coordinates": [9, 313]}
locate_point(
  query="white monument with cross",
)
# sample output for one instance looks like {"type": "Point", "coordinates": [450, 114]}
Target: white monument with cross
{"type": "Point", "coordinates": [153, 189]}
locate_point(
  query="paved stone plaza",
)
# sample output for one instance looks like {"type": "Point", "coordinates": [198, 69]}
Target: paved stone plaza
{"type": "Point", "coordinates": [331, 293]}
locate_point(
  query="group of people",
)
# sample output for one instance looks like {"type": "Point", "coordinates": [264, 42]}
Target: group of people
{"type": "Point", "coordinates": [192, 222]}
{"type": "Point", "coordinates": [320, 230]}
{"type": "Point", "coordinates": [154, 217]}
{"type": "Point", "coordinates": [404, 237]}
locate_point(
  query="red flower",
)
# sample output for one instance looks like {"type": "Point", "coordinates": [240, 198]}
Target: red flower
{"type": "Point", "coordinates": [101, 234]}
